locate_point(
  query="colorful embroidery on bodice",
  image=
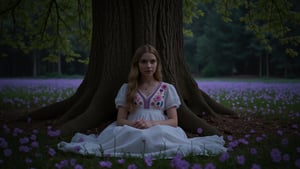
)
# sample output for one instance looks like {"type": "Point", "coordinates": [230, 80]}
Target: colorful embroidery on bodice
{"type": "Point", "coordinates": [154, 101]}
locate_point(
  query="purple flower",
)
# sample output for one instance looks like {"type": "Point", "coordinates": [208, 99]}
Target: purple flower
{"type": "Point", "coordinates": [297, 163]}
{"type": "Point", "coordinates": [51, 152]}
{"type": "Point", "coordinates": [3, 143]}
{"type": "Point", "coordinates": [6, 129]}
{"type": "Point", "coordinates": [210, 166]}
{"type": "Point", "coordinates": [148, 161]}
{"type": "Point", "coordinates": [7, 152]}
{"type": "Point", "coordinates": [24, 140]}
{"type": "Point", "coordinates": [275, 155]}
{"type": "Point", "coordinates": [255, 166]}
{"type": "Point", "coordinates": [229, 138]}
{"type": "Point", "coordinates": [243, 141]}
{"type": "Point", "coordinates": [284, 141]}
{"type": "Point", "coordinates": [33, 137]}
{"type": "Point", "coordinates": [24, 149]}
{"type": "Point", "coordinates": [54, 133]}
{"type": "Point", "coordinates": [280, 132]}
{"type": "Point", "coordinates": [298, 149]}
{"type": "Point", "coordinates": [199, 130]}
{"type": "Point", "coordinates": [72, 162]}
{"type": "Point", "coordinates": [196, 166]}
{"type": "Point", "coordinates": [131, 166]}
{"type": "Point", "coordinates": [78, 166]}
{"type": "Point", "coordinates": [121, 161]}
{"type": "Point", "coordinates": [295, 126]}
{"type": "Point", "coordinates": [240, 160]}
{"type": "Point", "coordinates": [178, 163]}
{"type": "Point", "coordinates": [233, 144]}
{"type": "Point", "coordinates": [77, 148]}
{"type": "Point", "coordinates": [34, 144]}
{"type": "Point", "coordinates": [224, 156]}
{"type": "Point", "coordinates": [253, 151]}
{"type": "Point", "coordinates": [28, 160]}
{"type": "Point", "coordinates": [252, 131]}
{"type": "Point", "coordinates": [17, 131]}
{"type": "Point", "coordinates": [286, 157]}
{"type": "Point", "coordinates": [258, 139]}
{"type": "Point", "coordinates": [105, 164]}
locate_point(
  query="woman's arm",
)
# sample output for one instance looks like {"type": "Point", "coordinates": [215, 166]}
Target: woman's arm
{"type": "Point", "coordinates": [172, 118]}
{"type": "Point", "coordinates": [122, 117]}
{"type": "Point", "coordinates": [171, 121]}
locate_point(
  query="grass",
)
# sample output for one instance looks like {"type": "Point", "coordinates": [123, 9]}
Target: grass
{"type": "Point", "coordinates": [272, 101]}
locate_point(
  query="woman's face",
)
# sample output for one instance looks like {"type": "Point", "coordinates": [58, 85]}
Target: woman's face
{"type": "Point", "coordinates": [147, 64]}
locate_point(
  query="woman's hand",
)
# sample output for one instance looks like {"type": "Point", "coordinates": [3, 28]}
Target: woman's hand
{"type": "Point", "coordinates": [142, 124]}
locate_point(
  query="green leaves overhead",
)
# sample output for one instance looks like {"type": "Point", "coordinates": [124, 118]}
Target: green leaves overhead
{"type": "Point", "coordinates": [48, 25]}
{"type": "Point", "coordinates": [278, 19]}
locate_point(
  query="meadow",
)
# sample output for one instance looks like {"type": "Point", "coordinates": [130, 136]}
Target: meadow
{"type": "Point", "coordinates": [276, 103]}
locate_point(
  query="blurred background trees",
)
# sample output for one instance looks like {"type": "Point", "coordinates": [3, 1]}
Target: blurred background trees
{"type": "Point", "coordinates": [222, 38]}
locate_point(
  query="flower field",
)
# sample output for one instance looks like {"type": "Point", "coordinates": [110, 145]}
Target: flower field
{"type": "Point", "coordinates": [271, 102]}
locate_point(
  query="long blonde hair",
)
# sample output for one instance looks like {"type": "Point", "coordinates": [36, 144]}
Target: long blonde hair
{"type": "Point", "coordinates": [135, 76]}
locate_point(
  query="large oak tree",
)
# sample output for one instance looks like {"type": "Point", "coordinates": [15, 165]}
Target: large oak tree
{"type": "Point", "coordinates": [119, 27]}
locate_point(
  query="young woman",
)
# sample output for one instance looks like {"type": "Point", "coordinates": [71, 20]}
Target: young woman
{"type": "Point", "coordinates": [147, 119]}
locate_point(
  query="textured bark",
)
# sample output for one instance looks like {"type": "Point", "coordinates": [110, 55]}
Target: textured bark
{"type": "Point", "coordinates": [119, 27]}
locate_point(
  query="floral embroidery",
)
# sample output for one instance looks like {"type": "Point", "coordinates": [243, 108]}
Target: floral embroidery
{"type": "Point", "coordinates": [155, 101]}
{"type": "Point", "coordinates": [138, 101]}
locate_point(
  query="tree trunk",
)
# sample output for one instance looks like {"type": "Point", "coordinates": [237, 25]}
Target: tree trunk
{"type": "Point", "coordinates": [119, 27]}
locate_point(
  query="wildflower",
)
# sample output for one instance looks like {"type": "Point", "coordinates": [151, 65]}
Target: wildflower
{"type": "Point", "coordinates": [33, 137]}
{"type": "Point", "coordinates": [106, 164]}
{"type": "Point", "coordinates": [121, 161]}
{"type": "Point", "coordinates": [72, 162]}
{"type": "Point", "coordinates": [6, 129]}
{"type": "Point", "coordinates": [295, 126]}
{"type": "Point", "coordinates": [51, 152]}
{"type": "Point", "coordinates": [199, 130]}
{"type": "Point", "coordinates": [280, 132]}
{"type": "Point", "coordinates": [253, 151]}
{"type": "Point", "coordinates": [24, 140]}
{"type": "Point", "coordinates": [28, 160]}
{"type": "Point", "coordinates": [148, 161]}
{"type": "Point", "coordinates": [224, 156]}
{"type": "Point", "coordinates": [258, 139]}
{"type": "Point", "coordinates": [233, 144]}
{"type": "Point", "coordinates": [177, 162]}
{"type": "Point", "coordinates": [229, 138]}
{"type": "Point", "coordinates": [196, 166]}
{"type": "Point", "coordinates": [276, 155]}
{"type": "Point", "coordinates": [255, 166]}
{"type": "Point", "coordinates": [284, 141]}
{"type": "Point", "coordinates": [240, 159]}
{"type": "Point", "coordinates": [54, 133]}
{"type": "Point", "coordinates": [252, 131]}
{"type": "Point", "coordinates": [286, 157]}
{"type": "Point", "coordinates": [210, 166]}
{"type": "Point", "coordinates": [78, 166]}
{"type": "Point", "coordinates": [298, 149]}
{"type": "Point", "coordinates": [132, 166]}
{"type": "Point", "coordinates": [243, 141]}
{"type": "Point", "coordinates": [35, 131]}
{"type": "Point", "coordinates": [24, 149]}
{"type": "Point", "coordinates": [7, 152]}
{"type": "Point", "coordinates": [3, 143]}
{"type": "Point", "coordinates": [34, 144]}
{"type": "Point", "coordinates": [297, 163]}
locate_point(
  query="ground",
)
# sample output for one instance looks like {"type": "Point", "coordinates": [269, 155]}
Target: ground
{"type": "Point", "coordinates": [238, 127]}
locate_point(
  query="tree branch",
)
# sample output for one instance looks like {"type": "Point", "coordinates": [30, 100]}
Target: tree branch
{"type": "Point", "coordinates": [11, 8]}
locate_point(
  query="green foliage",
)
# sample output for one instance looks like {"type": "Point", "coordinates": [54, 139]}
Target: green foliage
{"type": "Point", "coordinates": [33, 26]}
{"type": "Point", "coordinates": [266, 18]}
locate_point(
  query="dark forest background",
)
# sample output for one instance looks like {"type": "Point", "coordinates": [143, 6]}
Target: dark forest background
{"type": "Point", "coordinates": [214, 49]}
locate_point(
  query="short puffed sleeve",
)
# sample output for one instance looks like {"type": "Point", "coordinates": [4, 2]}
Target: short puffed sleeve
{"type": "Point", "coordinates": [172, 98]}
{"type": "Point", "coordinates": [120, 99]}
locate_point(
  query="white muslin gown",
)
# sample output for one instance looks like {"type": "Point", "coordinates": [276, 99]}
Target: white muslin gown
{"type": "Point", "coordinates": [158, 141]}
